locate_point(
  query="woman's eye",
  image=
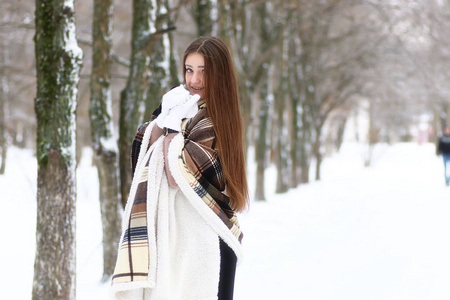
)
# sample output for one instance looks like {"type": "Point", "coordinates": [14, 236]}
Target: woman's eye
{"type": "Point", "coordinates": [189, 70]}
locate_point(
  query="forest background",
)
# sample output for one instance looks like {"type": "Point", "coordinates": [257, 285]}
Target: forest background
{"type": "Point", "coordinates": [306, 69]}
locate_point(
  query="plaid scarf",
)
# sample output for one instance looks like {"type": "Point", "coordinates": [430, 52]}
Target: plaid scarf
{"type": "Point", "coordinates": [195, 165]}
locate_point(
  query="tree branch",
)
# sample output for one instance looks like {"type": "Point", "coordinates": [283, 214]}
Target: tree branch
{"type": "Point", "coordinates": [147, 43]}
{"type": "Point", "coordinates": [12, 25]}
{"type": "Point", "coordinates": [115, 57]}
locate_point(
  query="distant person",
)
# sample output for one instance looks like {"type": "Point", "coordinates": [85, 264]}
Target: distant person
{"type": "Point", "coordinates": [444, 149]}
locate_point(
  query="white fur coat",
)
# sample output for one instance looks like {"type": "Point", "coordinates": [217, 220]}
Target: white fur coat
{"type": "Point", "coordinates": [183, 232]}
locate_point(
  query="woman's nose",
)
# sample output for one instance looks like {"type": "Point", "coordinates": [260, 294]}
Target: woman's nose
{"type": "Point", "coordinates": [196, 77]}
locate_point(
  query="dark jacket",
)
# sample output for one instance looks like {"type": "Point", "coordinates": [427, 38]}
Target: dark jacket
{"type": "Point", "coordinates": [444, 145]}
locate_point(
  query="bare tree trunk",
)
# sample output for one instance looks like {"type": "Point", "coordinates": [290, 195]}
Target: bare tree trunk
{"type": "Point", "coordinates": [305, 146]}
{"type": "Point", "coordinates": [133, 97]}
{"type": "Point", "coordinates": [372, 135]}
{"type": "Point", "coordinates": [305, 155]}
{"type": "Point", "coordinates": [282, 150]}
{"type": "Point", "coordinates": [173, 58]}
{"type": "Point", "coordinates": [308, 112]}
{"type": "Point", "coordinates": [227, 13]}
{"type": "Point", "coordinates": [265, 93]}
{"type": "Point", "coordinates": [281, 138]}
{"type": "Point", "coordinates": [342, 122]}
{"type": "Point", "coordinates": [102, 130]}
{"type": "Point", "coordinates": [238, 30]}
{"type": "Point", "coordinates": [294, 86]}
{"type": "Point", "coordinates": [319, 159]}
{"type": "Point", "coordinates": [204, 12]}
{"type": "Point", "coordinates": [262, 146]}
{"type": "Point", "coordinates": [3, 136]}
{"type": "Point", "coordinates": [4, 92]}
{"type": "Point", "coordinates": [58, 63]}
{"type": "Point", "coordinates": [294, 141]}
{"type": "Point", "coordinates": [161, 62]}
{"type": "Point", "coordinates": [110, 205]}
{"type": "Point", "coordinates": [317, 151]}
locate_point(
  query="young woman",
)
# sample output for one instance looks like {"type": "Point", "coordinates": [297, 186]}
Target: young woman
{"type": "Point", "coordinates": [181, 238]}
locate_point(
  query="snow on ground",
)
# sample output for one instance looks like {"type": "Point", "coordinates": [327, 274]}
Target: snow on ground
{"type": "Point", "coordinates": [360, 233]}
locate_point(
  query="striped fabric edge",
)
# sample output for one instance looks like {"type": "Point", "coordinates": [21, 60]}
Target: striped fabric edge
{"type": "Point", "coordinates": [143, 156]}
{"type": "Point", "coordinates": [186, 181]}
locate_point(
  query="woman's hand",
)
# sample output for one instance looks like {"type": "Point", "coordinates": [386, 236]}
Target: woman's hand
{"type": "Point", "coordinates": [181, 111]}
{"type": "Point", "coordinates": [172, 98]}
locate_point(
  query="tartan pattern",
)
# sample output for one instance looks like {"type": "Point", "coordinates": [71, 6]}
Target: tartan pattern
{"type": "Point", "coordinates": [200, 166]}
{"type": "Point", "coordinates": [133, 257]}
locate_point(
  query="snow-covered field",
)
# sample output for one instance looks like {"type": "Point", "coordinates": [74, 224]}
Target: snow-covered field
{"type": "Point", "coordinates": [358, 234]}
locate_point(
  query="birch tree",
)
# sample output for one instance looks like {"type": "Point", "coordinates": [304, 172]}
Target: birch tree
{"type": "Point", "coordinates": [58, 62]}
{"type": "Point", "coordinates": [102, 131]}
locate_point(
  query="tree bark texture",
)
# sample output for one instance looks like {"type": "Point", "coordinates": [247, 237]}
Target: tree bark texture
{"type": "Point", "coordinates": [4, 88]}
{"type": "Point", "coordinates": [3, 136]}
{"type": "Point", "coordinates": [239, 35]}
{"type": "Point", "coordinates": [226, 17]}
{"type": "Point", "coordinates": [133, 97]}
{"type": "Point", "coordinates": [110, 205]}
{"type": "Point", "coordinates": [372, 135]}
{"type": "Point", "coordinates": [173, 60]}
{"type": "Point", "coordinates": [203, 12]}
{"type": "Point", "coordinates": [308, 95]}
{"type": "Point", "coordinates": [294, 82]}
{"type": "Point", "coordinates": [317, 151]}
{"type": "Point", "coordinates": [58, 63]}
{"type": "Point", "coordinates": [102, 130]}
{"type": "Point", "coordinates": [340, 133]}
{"type": "Point", "coordinates": [281, 139]}
{"type": "Point", "coordinates": [264, 107]}
{"type": "Point", "coordinates": [162, 60]}
{"type": "Point", "coordinates": [304, 146]}
{"type": "Point", "coordinates": [281, 148]}
{"type": "Point", "coordinates": [261, 148]}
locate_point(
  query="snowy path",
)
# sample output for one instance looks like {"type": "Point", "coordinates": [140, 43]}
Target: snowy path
{"type": "Point", "coordinates": [378, 233]}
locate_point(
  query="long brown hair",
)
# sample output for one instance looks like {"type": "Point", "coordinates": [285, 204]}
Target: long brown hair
{"type": "Point", "coordinates": [222, 102]}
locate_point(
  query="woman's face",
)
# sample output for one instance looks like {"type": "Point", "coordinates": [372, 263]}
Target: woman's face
{"type": "Point", "coordinates": [194, 76]}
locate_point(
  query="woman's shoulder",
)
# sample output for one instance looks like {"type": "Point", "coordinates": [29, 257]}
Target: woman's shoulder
{"type": "Point", "coordinates": [140, 132]}
{"type": "Point", "coordinates": [143, 126]}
